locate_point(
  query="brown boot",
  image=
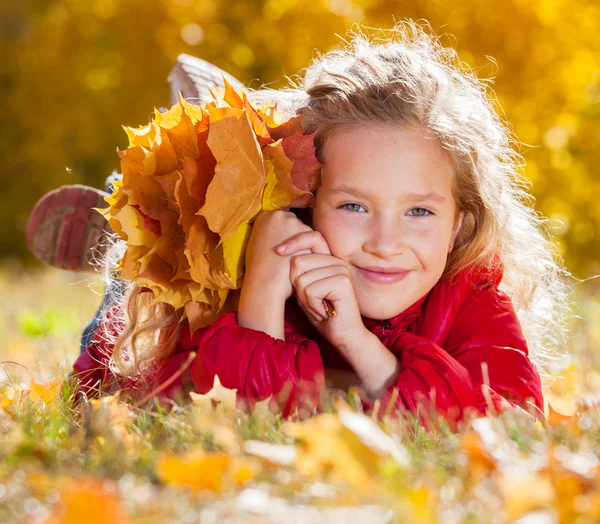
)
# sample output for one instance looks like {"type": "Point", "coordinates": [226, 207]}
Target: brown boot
{"type": "Point", "coordinates": [65, 232]}
{"type": "Point", "coordinates": [194, 78]}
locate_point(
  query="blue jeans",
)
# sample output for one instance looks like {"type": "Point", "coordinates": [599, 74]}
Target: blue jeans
{"type": "Point", "coordinates": [112, 289]}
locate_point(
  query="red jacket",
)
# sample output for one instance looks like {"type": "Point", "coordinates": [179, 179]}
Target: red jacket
{"type": "Point", "coordinates": [450, 343]}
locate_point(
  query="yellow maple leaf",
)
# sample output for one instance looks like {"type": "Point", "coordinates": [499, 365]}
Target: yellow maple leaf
{"type": "Point", "coordinates": [328, 448]}
{"type": "Point", "coordinates": [201, 242]}
{"type": "Point", "coordinates": [180, 125]}
{"type": "Point", "coordinates": [150, 152]}
{"type": "Point", "coordinates": [46, 392]}
{"type": "Point", "coordinates": [87, 500]}
{"type": "Point", "coordinates": [132, 225]}
{"type": "Point", "coordinates": [169, 119]}
{"type": "Point", "coordinates": [197, 469]}
{"type": "Point", "coordinates": [421, 506]}
{"type": "Point", "coordinates": [234, 248]}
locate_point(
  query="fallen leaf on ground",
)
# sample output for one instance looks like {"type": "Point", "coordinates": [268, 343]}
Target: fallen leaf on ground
{"type": "Point", "coordinates": [327, 448]}
{"type": "Point", "coordinates": [87, 500]}
{"type": "Point", "coordinates": [197, 469]}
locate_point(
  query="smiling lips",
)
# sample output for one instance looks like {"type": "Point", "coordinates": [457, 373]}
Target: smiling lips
{"type": "Point", "coordinates": [383, 275]}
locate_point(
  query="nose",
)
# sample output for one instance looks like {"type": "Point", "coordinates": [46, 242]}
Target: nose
{"type": "Point", "coordinates": [384, 239]}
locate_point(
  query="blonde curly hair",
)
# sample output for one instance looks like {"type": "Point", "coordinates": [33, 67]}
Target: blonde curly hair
{"type": "Point", "coordinates": [405, 77]}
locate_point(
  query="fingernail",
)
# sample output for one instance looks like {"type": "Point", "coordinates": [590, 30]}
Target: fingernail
{"type": "Point", "coordinates": [281, 248]}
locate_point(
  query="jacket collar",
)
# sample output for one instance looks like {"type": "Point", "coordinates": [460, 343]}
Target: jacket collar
{"type": "Point", "coordinates": [401, 321]}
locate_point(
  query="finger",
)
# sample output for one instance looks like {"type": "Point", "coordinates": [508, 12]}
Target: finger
{"type": "Point", "coordinates": [309, 313]}
{"type": "Point", "coordinates": [312, 240]}
{"type": "Point", "coordinates": [302, 263]}
{"type": "Point", "coordinates": [337, 288]}
{"type": "Point", "coordinates": [303, 283]}
{"type": "Point", "coordinates": [312, 304]}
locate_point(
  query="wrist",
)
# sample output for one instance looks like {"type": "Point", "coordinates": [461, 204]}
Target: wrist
{"type": "Point", "coordinates": [376, 366]}
{"type": "Point", "coordinates": [262, 307]}
{"type": "Point", "coordinates": [274, 283]}
{"type": "Point", "coordinates": [357, 342]}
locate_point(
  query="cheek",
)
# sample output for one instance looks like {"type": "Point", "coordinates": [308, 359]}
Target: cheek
{"type": "Point", "coordinates": [431, 242]}
{"type": "Point", "coordinates": [341, 236]}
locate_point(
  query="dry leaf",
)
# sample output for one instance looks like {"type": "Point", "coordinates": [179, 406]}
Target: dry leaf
{"type": "Point", "coordinates": [46, 392]}
{"type": "Point", "coordinates": [193, 181]}
{"type": "Point", "coordinates": [233, 195]}
{"type": "Point", "coordinates": [526, 493]}
{"type": "Point", "coordinates": [372, 436]}
{"type": "Point", "coordinates": [479, 457]}
{"type": "Point", "coordinates": [327, 448]}
{"type": "Point", "coordinates": [243, 471]}
{"type": "Point", "coordinates": [111, 419]}
{"type": "Point", "coordinates": [218, 394]}
{"type": "Point", "coordinates": [300, 149]}
{"type": "Point", "coordinates": [280, 190]}
{"type": "Point", "coordinates": [87, 500]}
{"type": "Point", "coordinates": [262, 409]}
{"type": "Point", "coordinates": [197, 469]}
{"type": "Point", "coordinates": [234, 249]}
{"type": "Point", "coordinates": [180, 127]}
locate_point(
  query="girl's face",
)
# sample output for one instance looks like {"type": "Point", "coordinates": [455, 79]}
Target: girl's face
{"type": "Point", "coordinates": [386, 203]}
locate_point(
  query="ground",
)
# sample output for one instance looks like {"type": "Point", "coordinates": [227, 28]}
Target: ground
{"type": "Point", "coordinates": [208, 462]}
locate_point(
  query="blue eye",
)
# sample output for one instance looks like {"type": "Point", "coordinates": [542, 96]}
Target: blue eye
{"type": "Point", "coordinates": [351, 207]}
{"type": "Point", "coordinates": [421, 209]}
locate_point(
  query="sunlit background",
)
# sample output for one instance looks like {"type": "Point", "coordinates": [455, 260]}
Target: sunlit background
{"type": "Point", "coordinates": [74, 71]}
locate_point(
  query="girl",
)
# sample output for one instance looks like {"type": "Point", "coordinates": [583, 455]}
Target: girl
{"type": "Point", "coordinates": [441, 278]}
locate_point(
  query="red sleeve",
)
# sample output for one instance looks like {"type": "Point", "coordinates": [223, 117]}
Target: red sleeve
{"type": "Point", "coordinates": [486, 347]}
{"type": "Point", "coordinates": [487, 340]}
{"type": "Point", "coordinates": [258, 365]}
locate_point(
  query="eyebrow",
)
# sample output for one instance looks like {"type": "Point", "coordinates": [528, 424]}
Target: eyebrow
{"type": "Point", "coordinates": [432, 196]}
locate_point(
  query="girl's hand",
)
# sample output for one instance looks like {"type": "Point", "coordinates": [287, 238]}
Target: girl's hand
{"type": "Point", "coordinates": [265, 269]}
{"type": "Point", "coordinates": [317, 276]}
{"type": "Point", "coordinates": [266, 284]}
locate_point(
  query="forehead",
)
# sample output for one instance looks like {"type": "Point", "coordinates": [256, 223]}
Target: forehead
{"type": "Point", "coordinates": [388, 161]}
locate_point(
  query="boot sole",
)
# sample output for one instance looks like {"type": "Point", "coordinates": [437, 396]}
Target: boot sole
{"type": "Point", "coordinates": [65, 232]}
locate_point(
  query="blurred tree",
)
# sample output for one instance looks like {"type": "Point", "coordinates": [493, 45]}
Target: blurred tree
{"type": "Point", "coordinates": [74, 71]}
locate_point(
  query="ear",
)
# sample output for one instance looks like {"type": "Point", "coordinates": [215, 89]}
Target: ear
{"type": "Point", "coordinates": [457, 225]}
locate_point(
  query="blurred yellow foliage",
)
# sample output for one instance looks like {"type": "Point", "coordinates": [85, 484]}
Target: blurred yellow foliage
{"type": "Point", "coordinates": [197, 469]}
{"type": "Point", "coordinates": [47, 392]}
{"type": "Point", "coordinates": [75, 70]}
{"type": "Point", "coordinates": [329, 448]}
{"type": "Point", "coordinates": [87, 500]}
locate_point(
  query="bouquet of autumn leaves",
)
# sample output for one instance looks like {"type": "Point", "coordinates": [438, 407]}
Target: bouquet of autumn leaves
{"type": "Point", "coordinates": [194, 179]}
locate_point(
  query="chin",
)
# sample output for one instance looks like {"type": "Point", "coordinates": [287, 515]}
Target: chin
{"type": "Point", "coordinates": [382, 312]}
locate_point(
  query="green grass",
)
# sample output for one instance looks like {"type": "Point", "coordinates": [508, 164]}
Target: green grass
{"type": "Point", "coordinates": [56, 460]}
